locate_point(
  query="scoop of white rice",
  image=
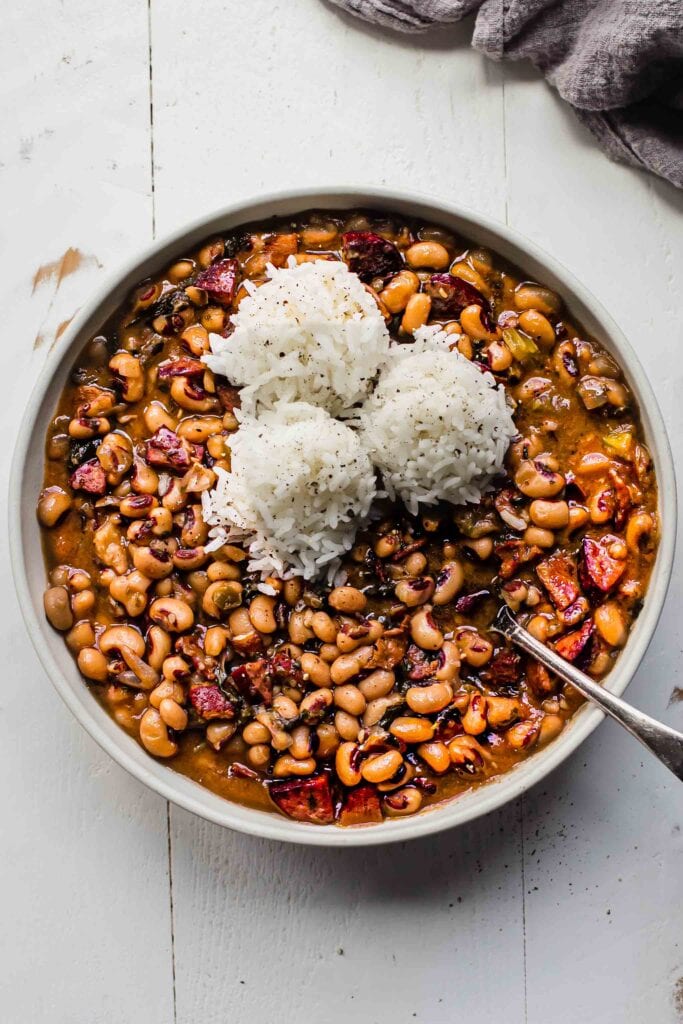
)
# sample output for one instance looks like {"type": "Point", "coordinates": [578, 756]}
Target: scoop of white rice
{"type": "Point", "coordinates": [300, 486]}
{"type": "Point", "coordinates": [311, 333]}
{"type": "Point", "coordinates": [436, 426]}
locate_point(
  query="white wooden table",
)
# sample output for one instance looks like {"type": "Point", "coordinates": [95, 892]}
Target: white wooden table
{"type": "Point", "coordinates": [122, 120]}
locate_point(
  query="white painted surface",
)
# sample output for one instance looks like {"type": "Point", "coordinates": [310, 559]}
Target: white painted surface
{"type": "Point", "coordinates": [563, 908]}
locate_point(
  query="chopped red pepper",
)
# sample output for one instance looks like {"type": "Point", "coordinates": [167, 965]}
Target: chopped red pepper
{"type": "Point", "coordinates": [571, 645]}
{"type": "Point", "coordinates": [598, 567]}
{"type": "Point", "coordinates": [361, 806]}
{"type": "Point", "coordinates": [211, 702]}
{"type": "Point", "coordinates": [219, 280]}
{"type": "Point", "coordinates": [559, 577]}
{"type": "Point", "coordinates": [305, 799]}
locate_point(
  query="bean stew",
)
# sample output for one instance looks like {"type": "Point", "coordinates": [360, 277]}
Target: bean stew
{"type": "Point", "coordinates": [387, 693]}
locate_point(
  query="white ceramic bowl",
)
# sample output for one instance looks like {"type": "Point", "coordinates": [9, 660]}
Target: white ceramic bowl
{"type": "Point", "coordinates": [29, 572]}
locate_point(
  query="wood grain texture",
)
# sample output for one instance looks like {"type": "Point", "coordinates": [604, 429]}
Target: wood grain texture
{"type": "Point", "coordinates": [86, 936]}
{"type": "Point", "coordinates": [561, 908]}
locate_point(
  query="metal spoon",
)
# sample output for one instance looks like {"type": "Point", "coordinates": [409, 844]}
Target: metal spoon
{"type": "Point", "coordinates": [665, 743]}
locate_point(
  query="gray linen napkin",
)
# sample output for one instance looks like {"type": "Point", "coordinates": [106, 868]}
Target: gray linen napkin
{"type": "Point", "coordinates": [619, 63]}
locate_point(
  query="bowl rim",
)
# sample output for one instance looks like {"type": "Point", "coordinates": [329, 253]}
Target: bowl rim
{"type": "Point", "coordinates": [457, 810]}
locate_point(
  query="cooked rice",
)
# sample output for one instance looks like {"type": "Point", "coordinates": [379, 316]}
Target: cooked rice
{"type": "Point", "coordinates": [312, 333]}
{"type": "Point", "coordinates": [300, 486]}
{"type": "Point", "coordinates": [436, 426]}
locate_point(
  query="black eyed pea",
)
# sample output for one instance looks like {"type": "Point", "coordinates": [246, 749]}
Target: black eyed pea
{"type": "Point", "coordinates": [147, 677]}
{"type": "Point", "coordinates": [378, 707]}
{"type": "Point", "coordinates": [435, 754]}
{"type": "Point", "coordinates": [258, 756]}
{"type": "Point", "coordinates": [137, 506]}
{"type": "Point", "coordinates": [80, 635]}
{"type": "Point", "coordinates": [219, 733]}
{"type": "Point", "coordinates": [324, 627]}
{"type": "Point", "coordinates": [327, 739]}
{"type": "Point", "coordinates": [329, 652]}
{"type": "Point", "coordinates": [378, 684]}
{"type": "Point", "coordinates": [540, 537]}
{"type": "Point", "coordinates": [93, 664]}
{"type": "Point", "coordinates": [157, 415]}
{"type": "Point", "coordinates": [155, 563]}
{"type": "Point", "coordinates": [481, 546]}
{"type": "Point", "coordinates": [222, 596]}
{"type": "Point", "coordinates": [292, 590]}
{"type": "Point", "coordinates": [551, 726]}
{"type": "Point", "coordinates": [416, 313]}
{"type": "Point", "coordinates": [536, 480]}
{"type": "Point", "coordinates": [314, 705]}
{"type": "Point", "coordinates": [180, 270]}
{"type": "Point", "coordinates": [299, 630]}
{"type": "Point", "coordinates": [412, 730]}
{"type": "Point", "coordinates": [53, 504]}
{"type": "Point", "coordinates": [255, 732]}
{"type": "Point", "coordinates": [302, 747]}
{"type": "Point", "coordinates": [262, 613]}
{"type": "Point", "coordinates": [474, 649]}
{"type": "Point", "coordinates": [115, 638]}
{"type": "Point", "coordinates": [359, 635]}
{"type": "Point", "coordinates": [415, 564]}
{"type": "Point", "coordinates": [537, 327]}
{"type": "Point", "coordinates": [350, 699]}
{"type": "Point", "coordinates": [610, 624]}
{"type": "Point", "coordinates": [347, 725]}
{"type": "Point", "coordinates": [286, 765]}
{"type": "Point", "coordinates": [448, 583]}
{"type": "Point", "coordinates": [474, 719]}
{"type": "Point", "coordinates": [174, 615]}
{"type": "Point", "coordinates": [158, 647]}
{"type": "Point", "coordinates": [215, 641]}
{"type": "Point", "coordinates": [549, 515]}
{"type": "Point", "coordinates": [315, 669]}
{"type": "Point", "coordinates": [167, 689]}
{"type": "Point", "coordinates": [154, 735]}
{"type": "Point", "coordinates": [414, 592]}
{"type": "Point", "coordinates": [472, 325]}
{"type": "Point", "coordinates": [188, 397]}
{"type": "Point", "coordinates": [58, 608]}
{"type": "Point", "coordinates": [465, 752]}
{"type": "Point", "coordinates": [173, 714]}
{"type": "Point", "coordinates": [523, 734]}
{"type": "Point", "coordinates": [499, 356]}
{"type": "Point", "coordinates": [424, 630]}
{"type": "Point", "coordinates": [285, 707]}
{"type": "Point", "coordinates": [381, 767]}
{"type": "Point", "coordinates": [223, 571]}
{"type": "Point", "coordinates": [396, 294]}
{"type": "Point", "coordinates": [449, 662]}
{"type": "Point", "coordinates": [427, 700]}
{"type": "Point", "coordinates": [198, 429]}
{"type": "Point", "coordinates": [347, 600]}
{"type": "Point", "coordinates": [130, 591]}
{"type": "Point", "coordinates": [129, 371]}
{"type": "Point", "coordinates": [639, 530]}
{"type": "Point", "coordinates": [346, 666]}
{"type": "Point", "coordinates": [502, 711]}
{"type": "Point", "coordinates": [407, 800]}
{"type": "Point", "coordinates": [189, 559]}
{"type": "Point", "coordinates": [346, 764]}
{"type": "Point", "coordinates": [465, 272]}
{"type": "Point", "coordinates": [535, 296]}
{"type": "Point", "coordinates": [387, 545]}
{"type": "Point", "coordinates": [431, 255]}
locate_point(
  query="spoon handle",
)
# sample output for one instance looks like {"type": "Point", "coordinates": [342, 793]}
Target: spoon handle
{"type": "Point", "coordinates": [665, 743]}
